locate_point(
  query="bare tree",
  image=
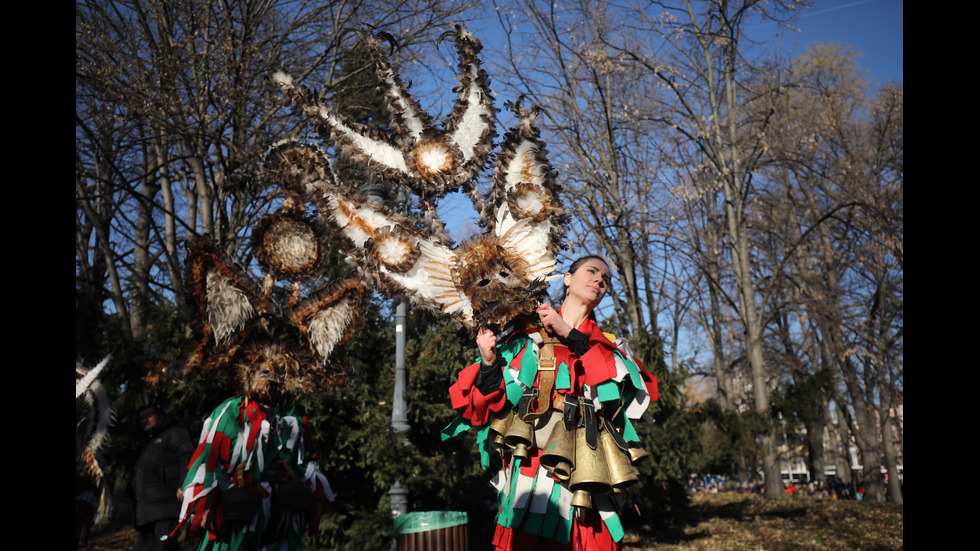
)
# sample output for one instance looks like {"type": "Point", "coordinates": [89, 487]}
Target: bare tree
{"type": "Point", "coordinates": [834, 208]}
{"type": "Point", "coordinates": [606, 153]}
{"type": "Point", "coordinates": [668, 142]}
{"type": "Point", "coordinates": [699, 62]}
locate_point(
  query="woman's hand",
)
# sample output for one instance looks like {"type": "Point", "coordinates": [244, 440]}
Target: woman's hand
{"type": "Point", "coordinates": [486, 341]}
{"type": "Point", "coordinates": [552, 321]}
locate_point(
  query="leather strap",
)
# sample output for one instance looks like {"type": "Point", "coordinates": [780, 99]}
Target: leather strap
{"type": "Point", "coordinates": [546, 376]}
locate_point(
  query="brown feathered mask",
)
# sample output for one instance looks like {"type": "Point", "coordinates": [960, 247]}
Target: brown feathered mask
{"type": "Point", "coordinates": [488, 279]}
{"type": "Point", "coordinates": [273, 351]}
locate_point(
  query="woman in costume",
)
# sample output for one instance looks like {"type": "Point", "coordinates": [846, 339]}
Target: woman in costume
{"type": "Point", "coordinates": [556, 373]}
{"type": "Point", "coordinates": [557, 400]}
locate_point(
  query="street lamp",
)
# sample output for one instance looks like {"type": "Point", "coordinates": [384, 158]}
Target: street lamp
{"type": "Point", "coordinates": [376, 191]}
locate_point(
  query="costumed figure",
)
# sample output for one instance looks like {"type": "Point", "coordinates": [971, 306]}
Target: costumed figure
{"type": "Point", "coordinates": [92, 496]}
{"type": "Point", "coordinates": [496, 282]}
{"type": "Point", "coordinates": [253, 481]}
{"type": "Point", "coordinates": [556, 400]}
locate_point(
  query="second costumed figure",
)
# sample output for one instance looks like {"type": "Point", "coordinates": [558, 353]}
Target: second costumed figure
{"type": "Point", "coordinates": [254, 481]}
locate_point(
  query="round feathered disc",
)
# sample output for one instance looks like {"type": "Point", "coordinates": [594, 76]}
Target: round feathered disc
{"type": "Point", "coordinates": [433, 157]}
{"type": "Point", "coordinates": [394, 250]}
{"type": "Point", "coordinates": [287, 245]}
{"type": "Point", "coordinates": [530, 201]}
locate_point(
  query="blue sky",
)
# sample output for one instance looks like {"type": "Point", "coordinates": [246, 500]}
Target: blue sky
{"type": "Point", "coordinates": [875, 27]}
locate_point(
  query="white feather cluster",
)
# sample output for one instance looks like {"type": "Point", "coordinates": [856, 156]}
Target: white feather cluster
{"type": "Point", "coordinates": [377, 150]}
{"type": "Point", "coordinates": [432, 279]}
{"type": "Point", "coordinates": [82, 386]}
{"type": "Point", "coordinates": [99, 419]}
{"type": "Point", "coordinates": [228, 307]}
{"type": "Point", "coordinates": [394, 250]}
{"type": "Point", "coordinates": [434, 158]}
{"type": "Point", "coordinates": [359, 222]}
{"type": "Point", "coordinates": [328, 326]}
{"type": "Point", "coordinates": [532, 243]}
{"type": "Point", "coordinates": [473, 123]}
{"type": "Point", "coordinates": [531, 202]}
{"type": "Point", "coordinates": [412, 120]}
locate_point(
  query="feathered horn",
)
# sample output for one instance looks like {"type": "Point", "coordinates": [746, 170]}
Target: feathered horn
{"type": "Point", "coordinates": [427, 160]}
{"type": "Point", "coordinates": [524, 195]}
{"type": "Point", "coordinates": [98, 420]}
{"type": "Point", "coordinates": [82, 385]}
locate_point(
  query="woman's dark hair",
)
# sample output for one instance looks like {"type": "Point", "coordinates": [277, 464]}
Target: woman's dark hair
{"type": "Point", "coordinates": [579, 261]}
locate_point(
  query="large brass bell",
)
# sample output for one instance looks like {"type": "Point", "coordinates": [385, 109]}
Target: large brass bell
{"type": "Point", "coordinates": [618, 465]}
{"type": "Point", "coordinates": [519, 437]}
{"type": "Point", "coordinates": [558, 455]}
{"type": "Point", "coordinates": [498, 428]}
{"type": "Point", "coordinates": [590, 474]}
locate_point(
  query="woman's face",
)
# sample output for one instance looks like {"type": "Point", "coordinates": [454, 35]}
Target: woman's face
{"type": "Point", "coordinates": [589, 282]}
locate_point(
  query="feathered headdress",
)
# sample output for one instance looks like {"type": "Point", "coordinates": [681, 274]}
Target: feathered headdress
{"type": "Point", "coordinates": [428, 160]}
{"type": "Point", "coordinates": [488, 279]}
{"type": "Point", "coordinates": [93, 431]}
{"type": "Point", "coordinates": [273, 350]}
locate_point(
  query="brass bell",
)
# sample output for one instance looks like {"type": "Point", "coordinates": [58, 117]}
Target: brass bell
{"type": "Point", "coordinates": [498, 428]}
{"type": "Point", "coordinates": [581, 498]}
{"type": "Point", "coordinates": [637, 453]}
{"type": "Point", "coordinates": [519, 437]}
{"type": "Point", "coordinates": [558, 455]}
{"type": "Point", "coordinates": [618, 465]}
{"type": "Point", "coordinates": [590, 473]}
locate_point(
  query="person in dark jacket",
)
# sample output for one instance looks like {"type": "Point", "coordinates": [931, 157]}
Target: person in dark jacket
{"type": "Point", "coordinates": [156, 484]}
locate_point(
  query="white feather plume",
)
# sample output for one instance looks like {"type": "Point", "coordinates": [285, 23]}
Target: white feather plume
{"type": "Point", "coordinates": [82, 386]}
{"type": "Point", "coordinates": [228, 307]}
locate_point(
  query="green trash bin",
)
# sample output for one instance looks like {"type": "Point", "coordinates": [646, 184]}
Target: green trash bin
{"type": "Point", "coordinates": [433, 531]}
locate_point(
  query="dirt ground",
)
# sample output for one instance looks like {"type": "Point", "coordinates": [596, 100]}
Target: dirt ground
{"type": "Point", "coordinates": [725, 521]}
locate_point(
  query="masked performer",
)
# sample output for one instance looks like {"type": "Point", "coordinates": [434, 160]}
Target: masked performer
{"type": "Point", "coordinates": [557, 400]}
{"type": "Point", "coordinates": [254, 481]}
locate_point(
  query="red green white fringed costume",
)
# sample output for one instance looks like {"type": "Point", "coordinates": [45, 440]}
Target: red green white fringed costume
{"type": "Point", "coordinates": [240, 433]}
{"type": "Point", "coordinates": [535, 510]}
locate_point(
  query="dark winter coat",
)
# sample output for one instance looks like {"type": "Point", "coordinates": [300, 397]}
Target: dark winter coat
{"type": "Point", "coordinates": [160, 471]}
